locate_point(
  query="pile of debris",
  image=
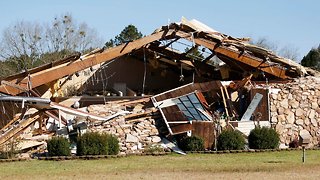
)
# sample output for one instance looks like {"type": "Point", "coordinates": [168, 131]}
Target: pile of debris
{"type": "Point", "coordinates": [136, 132]}
{"type": "Point", "coordinates": [295, 109]}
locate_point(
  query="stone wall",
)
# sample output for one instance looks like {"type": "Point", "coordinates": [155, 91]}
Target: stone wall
{"type": "Point", "coordinates": [295, 110]}
{"type": "Point", "coordinates": [134, 135]}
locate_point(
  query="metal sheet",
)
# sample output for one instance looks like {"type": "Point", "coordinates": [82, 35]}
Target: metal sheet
{"type": "Point", "coordinates": [253, 105]}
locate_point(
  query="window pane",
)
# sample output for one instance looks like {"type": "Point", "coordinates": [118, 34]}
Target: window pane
{"type": "Point", "coordinates": [193, 111]}
{"type": "Point", "coordinates": [184, 98]}
{"type": "Point", "coordinates": [198, 106]}
{"type": "Point", "coordinates": [188, 104]}
{"type": "Point", "coordinates": [181, 107]}
{"type": "Point", "coordinates": [197, 117]}
{"type": "Point", "coordinates": [203, 117]}
{"type": "Point", "coordinates": [193, 98]}
{"type": "Point", "coordinates": [187, 113]}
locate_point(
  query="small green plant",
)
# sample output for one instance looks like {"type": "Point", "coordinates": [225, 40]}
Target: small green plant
{"type": "Point", "coordinates": [155, 148]}
{"type": "Point", "coordinates": [93, 143]}
{"type": "Point", "coordinates": [263, 138]}
{"type": "Point", "coordinates": [58, 146]}
{"type": "Point", "coordinates": [192, 143]}
{"type": "Point", "coordinates": [230, 140]}
{"type": "Point", "coordinates": [9, 149]}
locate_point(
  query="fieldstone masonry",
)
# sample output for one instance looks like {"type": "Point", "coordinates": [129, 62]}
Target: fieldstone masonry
{"type": "Point", "coordinates": [296, 109]}
{"type": "Point", "coordinates": [134, 135]}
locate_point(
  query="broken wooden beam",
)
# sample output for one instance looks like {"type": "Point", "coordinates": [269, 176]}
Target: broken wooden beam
{"type": "Point", "coordinates": [146, 113]}
{"type": "Point", "coordinates": [62, 70]}
{"type": "Point", "coordinates": [19, 127]}
{"type": "Point", "coordinates": [247, 59]}
{"type": "Point", "coordinates": [142, 100]}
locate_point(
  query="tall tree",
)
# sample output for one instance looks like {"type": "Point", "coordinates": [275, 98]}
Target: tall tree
{"type": "Point", "coordinates": [22, 44]}
{"type": "Point", "coordinates": [129, 33]}
{"type": "Point", "coordinates": [312, 59]}
{"type": "Point", "coordinates": [265, 43]}
{"type": "Point", "coordinates": [25, 43]}
{"type": "Point", "coordinates": [65, 34]}
{"type": "Point", "coordinates": [287, 51]}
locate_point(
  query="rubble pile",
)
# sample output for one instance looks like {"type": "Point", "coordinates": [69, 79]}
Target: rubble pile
{"type": "Point", "coordinates": [295, 109]}
{"type": "Point", "coordinates": [135, 135]}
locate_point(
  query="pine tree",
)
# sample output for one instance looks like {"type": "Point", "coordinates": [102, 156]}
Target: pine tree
{"type": "Point", "coordinates": [312, 59]}
{"type": "Point", "coordinates": [129, 33]}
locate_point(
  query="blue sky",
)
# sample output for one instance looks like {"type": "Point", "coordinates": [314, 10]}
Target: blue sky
{"type": "Point", "coordinates": [293, 23]}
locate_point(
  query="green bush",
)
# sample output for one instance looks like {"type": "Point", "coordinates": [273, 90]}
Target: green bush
{"type": "Point", "coordinates": [155, 148]}
{"type": "Point", "coordinates": [113, 144]}
{"type": "Point", "coordinates": [94, 143]}
{"type": "Point", "coordinates": [9, 149]}
{"type": "Point", "coordinates": [230, 140]}
{"type": "Point", "coordinates": [58, 146]}
{"type": "Point", "coordinates": [193, 143]}
{"type": "Point", "coordinates": [263, 138]}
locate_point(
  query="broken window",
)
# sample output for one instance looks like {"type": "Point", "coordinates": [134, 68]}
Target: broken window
{"type": "Point", "coordinates": [191, 107]}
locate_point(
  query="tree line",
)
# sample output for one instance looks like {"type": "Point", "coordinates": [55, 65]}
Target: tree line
{"type": "Point", "coordinates": [29, 44]}
{"type": "Point", "coordinates": [311, 59]}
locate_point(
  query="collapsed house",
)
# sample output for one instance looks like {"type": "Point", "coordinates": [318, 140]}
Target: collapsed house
{"type": "Point", "coordinates": [149, 88]}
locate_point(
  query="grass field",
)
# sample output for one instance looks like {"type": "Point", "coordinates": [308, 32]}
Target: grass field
{"type": "Point", "coordinates": [267, 165]}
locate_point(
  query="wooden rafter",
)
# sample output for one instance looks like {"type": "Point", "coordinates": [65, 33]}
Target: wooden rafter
{"type": "Point", "coordinates": [238, 56]}
{"type": "Point", "coordinates": [62, 70]}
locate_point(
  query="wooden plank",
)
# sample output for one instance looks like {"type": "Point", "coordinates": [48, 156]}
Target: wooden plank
{"type": "Point", "coordinates": [21, 126]}
{"type": "Point", "coordinates": [203, 101]}
{"type": "Point", "coordinates": [146, 113]}
{"type": "Point", "coordinates": [160, 98]}
{"type": "Point", "coordinates": [62, 70]}
{"type": "Point", "coordinates": [238, 56]}
{"type": "Point", "coordinates": [196, 86]}
{"type": "Point", "coordinates": [142, 100]}
{"type": "Point", "coordinates": [42, 67]}
{"type": "Point", "coordinates": [204, 87]}
{"type": "Point", "coordinates": [181, 128]}
{"type": "Point", "coordinates": [205, 130]}
{"type": "Point", "coordinates": [176, 93]}
{"type": "Point", "coordinates": [9, 124]}
{"type": "Point", "coordinates": [229, 103]}
{"type": "Point", "coordinates": [224, 101]}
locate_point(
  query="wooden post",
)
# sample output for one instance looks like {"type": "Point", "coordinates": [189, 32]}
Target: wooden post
{"type": "Point", "coordinates": [40, 123]}
{"type": "Point", "coordinates": [59, 111]}
{"type": "Point", "coordinates": [303, 154]}
{"type": "Point", "coordinates": [224, 101]}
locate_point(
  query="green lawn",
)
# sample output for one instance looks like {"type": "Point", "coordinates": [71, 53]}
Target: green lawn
{"type": "Point", "coordinates": [267, 165]}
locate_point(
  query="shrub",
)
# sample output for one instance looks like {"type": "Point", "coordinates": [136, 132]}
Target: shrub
{"type": "Point", "coordinates": [263, 138]}
{"type": "Point", "coordinates": [58, 146]}
{"type": "Point", "coordinates": [113, 144]}
{"type": "Point", "coordinates": [9, 149]}
{"type": "Point", "coordinates": [94, 143]}
{"type": "Point", "coordinates": [230, 140]}
{"type": "Point", "coordinates": [192, 143]}
{"type": "Point", "coordinates": [155, 148]}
